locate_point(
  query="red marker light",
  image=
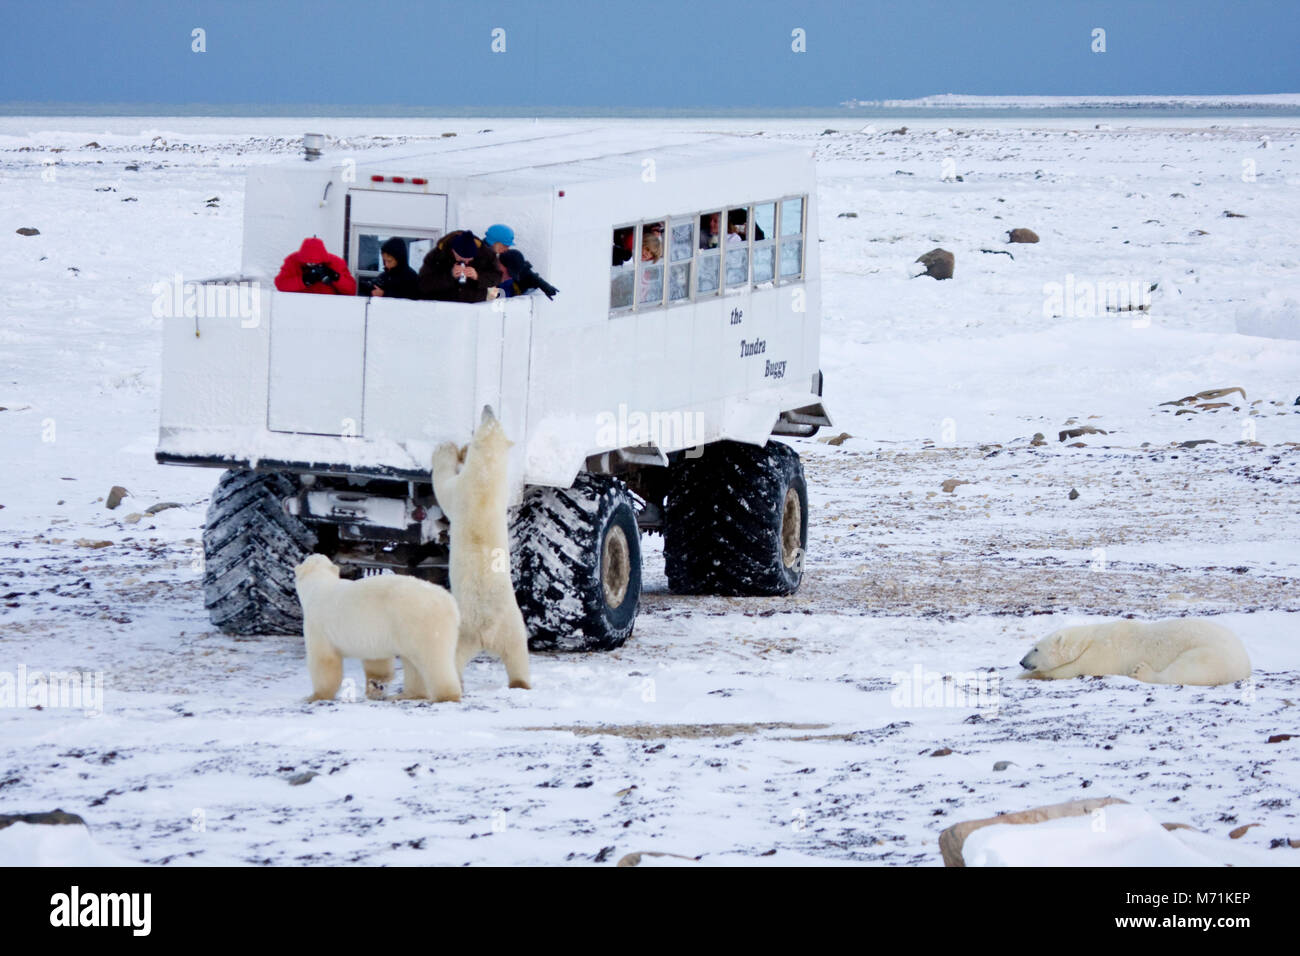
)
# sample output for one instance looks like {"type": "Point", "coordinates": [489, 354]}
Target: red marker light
{"type": "Point", "coordinates": [376, 179]}
{"type": "Point", "coordinates": [561, 192]}
{"type": "Point", "coordinates": [418, 181]}
{"type": "Point", "coordinates": [399, 179]}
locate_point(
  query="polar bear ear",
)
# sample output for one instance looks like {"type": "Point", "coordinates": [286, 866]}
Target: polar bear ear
{"type": "Point", "coordinates": [1068, 645]}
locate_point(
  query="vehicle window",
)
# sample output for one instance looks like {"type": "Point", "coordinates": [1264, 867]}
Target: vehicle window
{"type": "Point", "coordinates": [650, 287]}
{"type": "Point", "coordinates": [622, 268]}
{"type": "Point", "coordinates": [791, 216]}
{"type": "Point", "coordinates": [681, 250]}
{"type": "Point", "coordinates": [791, 258]}
{"type": "Point", "coordinates": [368, 251]}
{"type": "Point", "coordinates": [710, 230]}
{"type": "Point", "coordinates": [764, 227]}
{"type": "Point", "coordinates": [737, 247]}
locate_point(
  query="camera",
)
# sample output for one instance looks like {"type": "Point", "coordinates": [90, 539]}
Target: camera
{"type": "Point", "coordinates": [318, 272]}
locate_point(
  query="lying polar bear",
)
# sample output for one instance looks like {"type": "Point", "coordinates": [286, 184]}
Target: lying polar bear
{"type": "Point", "coordinates": [1177, 651]}
{"type": "Point", "coordinates": [376, 619]}
{"type": "Point", "coordinates": [471, 486]}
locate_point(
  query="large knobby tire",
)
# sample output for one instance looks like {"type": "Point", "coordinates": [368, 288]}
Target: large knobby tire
{"type": "Point", "coordinates": [736, 521]}
{"type": "Point", "coordinates": [576, 561]}
{"type": "Point", "coordinates": [250, 548]}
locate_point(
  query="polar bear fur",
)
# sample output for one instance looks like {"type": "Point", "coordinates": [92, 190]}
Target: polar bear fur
{"type": "Point", "coordinates": [470, 484]}
{"type": "Point", "coordinates": [1176, 651]}
{"type": "Point", "coordinates": [376, 619]}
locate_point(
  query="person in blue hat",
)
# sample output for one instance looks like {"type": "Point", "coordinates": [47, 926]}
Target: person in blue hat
{"type": "Point", "coordinates": [517, 273]}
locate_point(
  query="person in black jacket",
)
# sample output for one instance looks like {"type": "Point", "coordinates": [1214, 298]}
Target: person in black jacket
{"type": "Point", "coordinates": [460, 268]}
{"type": "Point", "coordinates": [398, 280]}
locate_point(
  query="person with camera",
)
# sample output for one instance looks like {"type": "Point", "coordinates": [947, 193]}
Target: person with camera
{"type": "Point", "coordinates": [460, 268]}
{"type": "Point", "coordinates": [517, 274]}
{"type": "Point", "coordinates": [313, 269]}
{"type": "Point", "coordinates": [398, 280]}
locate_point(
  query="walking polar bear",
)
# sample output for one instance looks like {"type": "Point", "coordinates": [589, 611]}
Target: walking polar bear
{"type": "Point", "coordinates": [376, 619]}
{"type": "Point", "coordinates": [1176, 651]}
{"type": "Point", "coordinates": [470, 484]}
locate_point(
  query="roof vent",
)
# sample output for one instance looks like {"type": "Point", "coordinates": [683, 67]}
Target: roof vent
{"type": "Point", "coordinates": [312, 144]}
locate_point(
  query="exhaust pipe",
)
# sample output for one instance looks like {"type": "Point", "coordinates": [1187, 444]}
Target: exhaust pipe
{"type": "Point", "coordinates": [312, 144]}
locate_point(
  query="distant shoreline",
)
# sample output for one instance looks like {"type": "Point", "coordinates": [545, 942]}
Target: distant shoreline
{"type": "Point", "coordinates": [938, 107]}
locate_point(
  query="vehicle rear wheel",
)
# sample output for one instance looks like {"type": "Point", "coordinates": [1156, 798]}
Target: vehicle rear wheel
{"type": "Point", "coordinates": [250, 548]}
{"type": "Point", "coordinates": [576, 562]}
{"type": "Point", "coordinates": [736, 521]}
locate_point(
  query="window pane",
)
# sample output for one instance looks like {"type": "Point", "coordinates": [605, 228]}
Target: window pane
{"type": "Point", "coordinates": [623, 239]}
{"type": "Point", "coordinates": [682, 245]}
{"type": "Point", "coordinates": [622, 276]}
{"type": "Point", "coordinates": [708, 278]}
{"type": "Point", "coordinates": [651, 292]}
{"type": "Point", "coordinates": [620, 288]}
{"type": "Point", "coordinates": [764, 262]}
{"type": "Point", "coordinates": [738, 265]}
{"type": "Point", "coordinates": [737, 225]}
{"type": "Point", "coordinates": [710, 230]}
{"type": "Point", "coordinates": [791, 256]}
{"type": "Point", "coordinates": [764, 221]}
{"type": "Point", "coordinates": [679, 281]}
{"type": "Point", "coordinates": [368, 252]}
{"type": "Point", "coordinates": [791, 219]}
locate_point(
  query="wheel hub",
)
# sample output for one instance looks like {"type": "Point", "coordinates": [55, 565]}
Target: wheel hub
{"type": "Point", "coordinates": [615, 566]}
{"type": "Point", "coordinates": [791, 528]}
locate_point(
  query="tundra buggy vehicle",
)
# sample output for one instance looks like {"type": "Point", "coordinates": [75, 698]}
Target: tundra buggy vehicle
{"type": "Point", "coordinates": [643, 397]}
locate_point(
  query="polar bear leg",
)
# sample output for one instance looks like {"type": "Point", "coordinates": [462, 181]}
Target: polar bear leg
{"type": "Point", "coordinates": [446, 459]}
{"type": "Point", "coordinates": [413, 686]}
{"type": "Point", "coordinates": [1200, 665]}
{"type": "Point", "coordinates": [514, 654]}
{"type": "Point", "coordinates": [467, 649]}
{"type": "Point", "coordinates": [326, 669]}
{"type": "Point", "coordinates": [378, 673]}
{"type": "Point", "coordinates": [433, 678]}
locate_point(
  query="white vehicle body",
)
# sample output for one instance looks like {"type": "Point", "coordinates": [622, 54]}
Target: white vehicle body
{"type": "Point", "coordinates": [361, 386]}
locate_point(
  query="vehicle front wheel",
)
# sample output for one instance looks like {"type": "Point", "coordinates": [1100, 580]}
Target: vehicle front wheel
{"type": "Point", "coordinates": [576, 563]}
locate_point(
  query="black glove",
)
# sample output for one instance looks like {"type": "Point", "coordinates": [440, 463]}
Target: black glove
{"type": "Point", "coordinates": [547, 289]}
{"type": "Point", "coordinates": [318, 272]}
{"type": "Point", "coordinates": [621, 255]}
{"type": "Point", "coordinates": [528, 279]}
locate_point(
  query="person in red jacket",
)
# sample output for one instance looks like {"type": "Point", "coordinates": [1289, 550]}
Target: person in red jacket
{"type": "Point", "coordinates": [312, 269]}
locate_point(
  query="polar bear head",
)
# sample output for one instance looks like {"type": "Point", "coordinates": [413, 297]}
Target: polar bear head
{"type": "Point", "coordinates": [316, 565]}
{"type": "Point", "coordinates": [1058, 649]}
{"type": "Point", "coordinates": [489, 450]}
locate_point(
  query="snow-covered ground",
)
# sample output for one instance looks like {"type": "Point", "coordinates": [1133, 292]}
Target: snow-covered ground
{"type": "Point", "coordinates": [738, 730]}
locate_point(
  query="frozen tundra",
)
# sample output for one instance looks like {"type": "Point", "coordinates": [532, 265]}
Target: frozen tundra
{"type": "Point", "coordinates": [642, 398]}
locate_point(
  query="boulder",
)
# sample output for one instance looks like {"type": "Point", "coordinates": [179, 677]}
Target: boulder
{"type": "Point", "coordinates": [938, 264]}
{"type": "Point", "coordinates": [951, 839]}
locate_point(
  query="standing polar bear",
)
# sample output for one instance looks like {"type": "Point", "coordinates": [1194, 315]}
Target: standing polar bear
{"type": "Point", "coordinates": [376, 619]}
{"type": "Point", "coordinates": [1176, 651]}
{"type": "Point", "coordinates": [474, 500]}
